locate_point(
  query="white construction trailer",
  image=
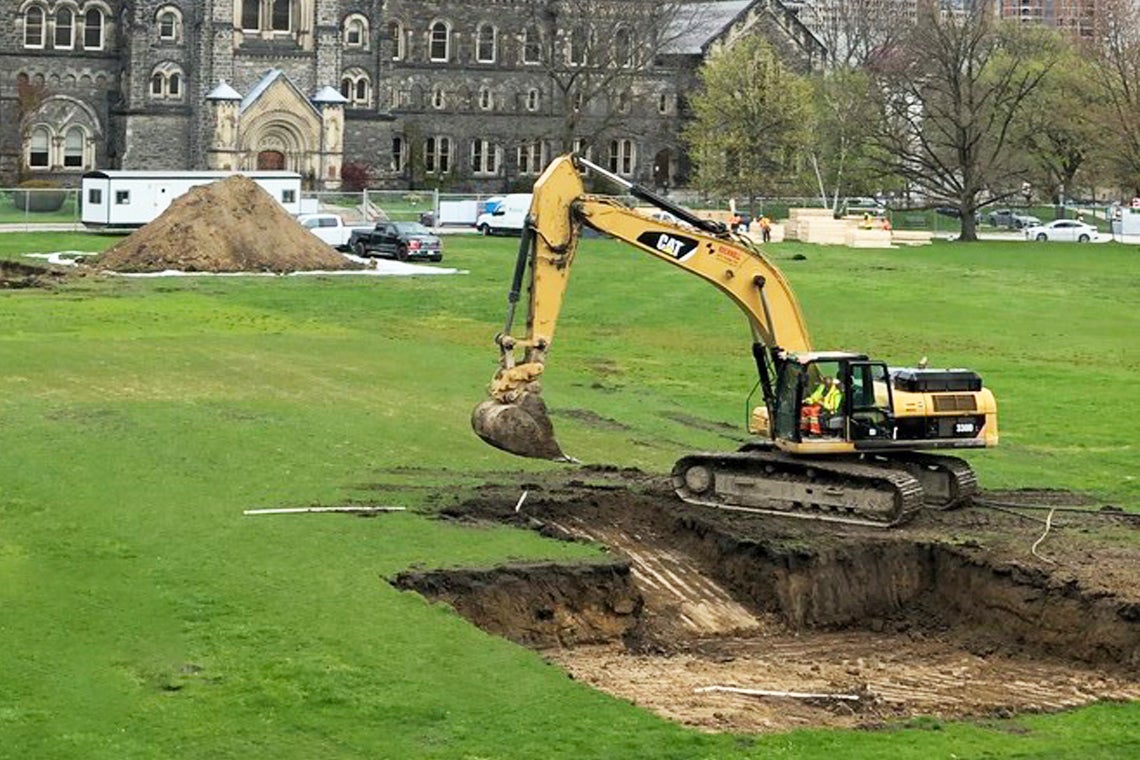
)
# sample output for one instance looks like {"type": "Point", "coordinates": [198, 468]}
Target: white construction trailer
{"type": "Point", "coordinates": [124, 198]}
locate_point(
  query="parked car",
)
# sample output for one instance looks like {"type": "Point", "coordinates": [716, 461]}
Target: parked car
{"type": "Point", "coordinates": [955, 212]}
{"type": "Point", "coordinates": [404, 240]}
{"type": "Point", "coordinates": [329, 228]}
{"type": "Point", "coordinates": [1067, 230]}
{"type": "Point", "coordinates": [1004, 217]}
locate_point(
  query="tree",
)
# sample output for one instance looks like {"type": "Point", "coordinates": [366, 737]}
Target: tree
{"type": "Point", "coordinates": [1061, 125]}
{"type": "Point", "coordinates": [854, 30]}
{"type": "Point", "coordinates": [752, 117]}
{"type": "Point", "coordinates": [1117, 60]}
{"type": "Point", "coordinates": [30, 98]}
{"type": "Point", "coordinates": [837, 151]}
{"type": "Point", "coordinates": [948, 98]}
{"type": "Point", "coordinates": [592, 53]}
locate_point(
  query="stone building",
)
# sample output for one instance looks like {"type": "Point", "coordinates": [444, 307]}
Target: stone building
{"type": "Point", "coordinates": [458, 95]}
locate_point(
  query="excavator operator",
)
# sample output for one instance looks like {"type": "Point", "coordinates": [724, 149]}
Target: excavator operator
{"type": "Point", "coordinates": [820, 405]}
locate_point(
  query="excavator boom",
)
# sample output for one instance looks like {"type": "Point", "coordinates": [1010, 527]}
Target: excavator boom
{"type": "Point", "coordinates": [514, 418]}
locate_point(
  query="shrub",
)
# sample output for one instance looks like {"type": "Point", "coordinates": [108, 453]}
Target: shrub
{"type": "Point", "coordinates": [355, 177]}
{"type": "Point", "coordinates": [38, 195]}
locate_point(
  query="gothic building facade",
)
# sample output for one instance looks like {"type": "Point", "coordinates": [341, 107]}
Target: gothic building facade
{"type": "Point", "coordinates": [466, 95]}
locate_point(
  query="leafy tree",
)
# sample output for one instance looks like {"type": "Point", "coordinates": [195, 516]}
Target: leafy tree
{"type": "Point", "coordinates": [949, 97]}
{"type": "Point", "coordinates": [1117, 62]}
{"type": "Point", "coordinates": [1060, 128]}
{"type": "Point", "coordinates": [752, 117]}
{"type": "Point", "coordinates": [837, 152]}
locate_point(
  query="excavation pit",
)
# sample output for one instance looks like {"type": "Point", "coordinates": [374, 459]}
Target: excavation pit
{"type": "Point", "coordinates": [960, 614]}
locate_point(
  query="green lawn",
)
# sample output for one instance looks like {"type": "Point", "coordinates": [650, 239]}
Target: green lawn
{"type": "Point", "coordinates": [143, 616]}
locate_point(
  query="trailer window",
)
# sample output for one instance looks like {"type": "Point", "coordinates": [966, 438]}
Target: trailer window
{"type": "Point", "coordinates": [122, 197]}
{"type": "Point", "coordinates": [288, 196]}
{"type": "Point", "coordinates": [94, 196]}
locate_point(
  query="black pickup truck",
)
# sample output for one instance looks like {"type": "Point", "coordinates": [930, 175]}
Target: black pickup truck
{"type": "Point", "coordinates": [404, 240]}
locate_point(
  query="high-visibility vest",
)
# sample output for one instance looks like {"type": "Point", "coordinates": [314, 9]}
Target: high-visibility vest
{"type": "Point", "coordinates": [832, 399]}
{"type": "Point", "coordinates": [816, 396]}
{"type": "Point", "coordinates": [809, 419]}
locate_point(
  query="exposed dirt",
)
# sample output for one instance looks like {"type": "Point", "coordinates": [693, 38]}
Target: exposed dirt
{"type": "Point", "coordinates": [961, 613]}
{"type": "Point", "coordinates": [14, 275]}
{"type": "Point", "coordinates": [230, 225]}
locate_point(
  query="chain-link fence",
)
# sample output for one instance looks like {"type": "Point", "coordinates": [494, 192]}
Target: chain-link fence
{"type": "Point", "coordinates": [39, 208]}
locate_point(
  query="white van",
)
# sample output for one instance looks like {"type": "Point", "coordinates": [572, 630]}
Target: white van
{"type": "Point", "coordinates": [507, 217]}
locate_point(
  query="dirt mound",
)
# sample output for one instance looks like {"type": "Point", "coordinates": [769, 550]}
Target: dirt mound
{"type": "Point", "coordinates": [231, 225]}
{"type": "Point", "coordinates": [966, 613]}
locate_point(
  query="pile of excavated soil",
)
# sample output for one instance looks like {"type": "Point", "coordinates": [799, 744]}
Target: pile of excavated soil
{"type": "Point", "coordinates": [231, 225]}
{"type": "Point", "coordinates": [975, 612]}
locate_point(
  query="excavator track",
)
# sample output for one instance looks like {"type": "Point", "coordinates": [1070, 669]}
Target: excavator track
{"type": "Point", "coordinates": [947, 481]}
{"type": "Point", "coordinates": [767, 481]}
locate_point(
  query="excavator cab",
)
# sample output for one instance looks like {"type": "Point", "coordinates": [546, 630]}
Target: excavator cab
{"type": "Point", "coordinates": [828, 398]}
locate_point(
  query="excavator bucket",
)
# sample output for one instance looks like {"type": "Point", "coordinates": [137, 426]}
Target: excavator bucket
{"type": "Point", "coordinates": [521, 426]}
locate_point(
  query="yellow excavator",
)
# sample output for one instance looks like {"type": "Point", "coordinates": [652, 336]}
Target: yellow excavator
{"type": "Point", "coordinates": [857, 458]}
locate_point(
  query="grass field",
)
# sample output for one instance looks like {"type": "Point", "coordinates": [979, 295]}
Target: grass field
{"type": "Point", "coordinates": [143, 616]}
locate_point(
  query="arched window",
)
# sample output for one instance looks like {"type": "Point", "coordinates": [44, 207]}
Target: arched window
{"type": "Point", "coordinates": [485, 44]}
{"type": "Point", "coordinates": [623, 47]}
{"type": "Point", "coordinates": [93, 29]}
{"type": "Point", "coordinates": [396, 34]}
{"type": "Point", "coordinates": [439, 46]}
{"type": "Point", "coordinates": [486, 99]}
{"type": "Point", "coordinates": [533, 99]}
{"type": "Point", "coordinates": [166, 81]}
{"type": "Point", "coordinates": [664, 103]}
{"type": "Point", "coordinates": [73, 142]}
{"type": "Point", "coordinates": [282, 15]}
{"type": "Point", "coordinates": [64, 29]}
{"type": "Point", "coordinates": [169, 25]}
{"type": "Point", "coordinates": [356, 31]}
{"type": "Point", "coordinates": [34, 27]}
{"type": "Point", "coordinates": [623, 101]}
{"type": "Point", "coordinates": [356, 85]}
{"type": "Point", "coordinates": [438, 99]}
{"type": "Point", "coordinates": [531, 46]}
{"type": "Point", "coordinates": [39, 148]}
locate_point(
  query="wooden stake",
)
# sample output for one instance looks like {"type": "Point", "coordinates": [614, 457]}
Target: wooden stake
{"type": "Point", "coordinates": [299, 510]}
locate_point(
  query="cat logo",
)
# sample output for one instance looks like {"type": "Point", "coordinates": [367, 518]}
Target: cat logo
{"type": "Point", "coordinates": [675, 246]}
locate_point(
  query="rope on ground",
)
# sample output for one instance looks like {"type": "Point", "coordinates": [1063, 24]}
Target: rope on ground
{"type": "Point", "coordinates": [995, 508]}
{"type": "Point", "coordinates": [1101, 512]}
{"type": "Point", "coordinates": [1048, 525]}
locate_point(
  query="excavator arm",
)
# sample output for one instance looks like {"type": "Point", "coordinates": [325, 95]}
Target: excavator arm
{"type": "Point", "coordinates": [515, 418]}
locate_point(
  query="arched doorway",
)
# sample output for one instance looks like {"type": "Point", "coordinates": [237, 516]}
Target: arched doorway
{"type": "Point", "coordinates": [270, 160]}
{"type": "Point", "coordinates": [663, 168]}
